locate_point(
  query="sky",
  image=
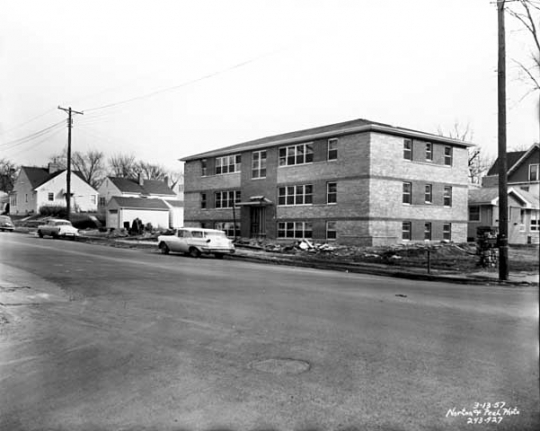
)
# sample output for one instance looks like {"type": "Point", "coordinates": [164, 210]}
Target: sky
{"type": "Point", "coordinates": [165, 79]}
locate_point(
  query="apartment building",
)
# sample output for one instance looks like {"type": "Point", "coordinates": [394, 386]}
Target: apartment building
{"type": "Point", "coordinates": [357, 182]}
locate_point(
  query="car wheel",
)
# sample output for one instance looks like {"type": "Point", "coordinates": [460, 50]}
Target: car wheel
{"type": "Point", "coordinates": [54, 235]}
{"type": "Point", "coordinates": [194, 252]}
{"type": "Point", "coordinates": [163, 248]}
{"type": "Point", "coordinates": [40, 234]}
{"type": "Point", "coordinates": [218, 255]}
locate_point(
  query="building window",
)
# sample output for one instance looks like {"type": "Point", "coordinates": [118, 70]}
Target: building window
{"type": "Point", "coordinates": [203, 200]}
{"type": "Point", "coordinates": [407, 149]}
{"type": "Point", "coordinates": [407, 192]}
{"type": "Point", "coordinates": [406, 230]}
{"type": "Point", "coordinates": [427, 231]}
{"type": "Point", "coordinates": [228, 228]}
{"type": "Point", "coordinates": [331, 232]}
{"type": "Point", "coordinates": [522, 220]}
{"type": "Point", "coordinates": [429, 151]}
{"type": "Point", "coordinates": [447, 231]}
{"type": "Point", "coordinates": [533, 172]}
{"type": "Point", "coordinates": [227, 199]}
{"type": "Point", "coordinates": [448, 156]}
{"type": "Point", "coordinates": [295, 229]}
{"type": "Point", "coordinates": [258, 164]}
{"type": "Point", "coordinates": [93, 199]}
{"type": "Point", "coordinates": [296, 154]}
{"type": "Point", "coordinates": [331, 193]}
{"type": "Point", "coordinates": [26, 197]}
{"type": "Point", "coordinates": [295, 195]}
{"type": "Point", "coordinates": [474, 213]}
{"type": "Point", "coordinates": [228, 164]}
{"type": "Point", "coordinates": [13, 200]}
{"type": "Point", "coordinates": [428, 194]}
{"type": "Point", "coordinates": [102, 201]}
{"type": "Point", "coordinates": [203, 167]}
{"type": "Point", "coordinates": [332, 149]}
{"type": "Point", "coordinates": [50, 196]}
{"type": "Point", "coordinates": [535, 220]}
{"type": "Point", "coordinates": [447, 196]}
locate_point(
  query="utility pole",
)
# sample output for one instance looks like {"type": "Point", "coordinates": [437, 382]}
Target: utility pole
{"type": "Point", "coordinates": [68, 173]}
{"type": "Point", "coordinates": [503, 162]}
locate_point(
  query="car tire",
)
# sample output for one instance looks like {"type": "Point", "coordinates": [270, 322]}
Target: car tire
{"type": "Point", "coordinates": [54, 235]}
{"type": "Point", "coordinates": [219, 255]}
{"type": "Point", "coordinates": [40, 234]}
{"type": "Point", "coordinates": [194, 252]}
{"type": "Point", "coordinates": [164, 248]}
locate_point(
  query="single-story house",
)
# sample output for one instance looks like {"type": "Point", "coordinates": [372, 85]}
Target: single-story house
{"type": "Point", "coordinates": [523, 213]}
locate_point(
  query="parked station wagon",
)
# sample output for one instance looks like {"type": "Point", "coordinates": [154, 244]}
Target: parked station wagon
{"type": "Point", "coordinates": [196, 241]}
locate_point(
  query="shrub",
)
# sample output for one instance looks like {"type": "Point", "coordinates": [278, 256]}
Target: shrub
{"type": "Point", "coordinates": [53, 211]}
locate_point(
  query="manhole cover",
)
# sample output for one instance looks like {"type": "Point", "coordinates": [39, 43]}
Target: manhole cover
{"type": "Point", "coordinates": [281, 366]}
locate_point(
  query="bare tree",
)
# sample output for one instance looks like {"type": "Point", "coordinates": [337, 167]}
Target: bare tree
{"type": "Point", "coordinates": [123, 165]}
{"type": "Point", "coordinates": [90, 165]}
{"type": "Point", "coordinates": [478, 163]}
{"type": "Point", "coordinates": [8, 171]}
{"type": "Point", "coordinates": [150, 171]}
{"type": "Point", "coordinates": [527, 12]}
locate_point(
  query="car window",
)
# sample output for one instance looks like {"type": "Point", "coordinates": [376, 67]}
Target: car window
{"type": "Point", "coordinates": [181, 233]}
{"type": "Point", "coordinates": [196, 234]}
{"type": "Point", "coordinates": [214, 234]}
{"type": "Point", "coordinates": [63, 223]}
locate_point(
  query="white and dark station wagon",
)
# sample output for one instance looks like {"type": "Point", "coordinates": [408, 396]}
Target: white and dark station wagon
{"type": "Point", "coordinates": [196, 241]}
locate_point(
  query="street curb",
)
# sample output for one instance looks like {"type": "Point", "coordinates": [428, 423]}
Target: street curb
{"type": "Point", "coordinates": [319, 264]}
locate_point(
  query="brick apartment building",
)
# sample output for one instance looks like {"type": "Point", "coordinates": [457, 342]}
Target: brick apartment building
{"type": "Point", "coordinates": [357, 182]}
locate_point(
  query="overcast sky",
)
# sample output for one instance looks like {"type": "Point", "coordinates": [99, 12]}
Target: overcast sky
{"type": "Point", "coordinates": [164, 79]}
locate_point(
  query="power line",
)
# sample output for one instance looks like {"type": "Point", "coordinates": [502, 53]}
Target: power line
{"type": "Point", "coordinates": [175, 87]}
{"type": "Point", "coordinates": [26, 122]}
{"type": "Point", "coordinates": [30, 137]}
{"type": "Point", "coordinates": [55, 133]}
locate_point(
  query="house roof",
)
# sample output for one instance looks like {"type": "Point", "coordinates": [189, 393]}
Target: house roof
{"type": "Point", "coordinates": [513, 160]}
{"type": "Point", "coordinates": [149, 187]}
{"type": "Point", "coordinates": [175, 203]}
{"type": "Point", "coordinates": [141, 203]}
{"type": "Point", "coordinates": [39, 176]}
{"type": "Point", "coordinates": [490, 196]}
{"type": "Point", "coordinates": [332, 130]}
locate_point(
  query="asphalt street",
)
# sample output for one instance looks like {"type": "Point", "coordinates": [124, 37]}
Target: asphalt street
{"type": "Point", "coordinates": [100, 338]}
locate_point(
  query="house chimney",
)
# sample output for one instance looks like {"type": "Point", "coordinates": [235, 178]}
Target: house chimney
{"type": "Point", "coordinates": [141, 179]}
{"type": "Point", "coordinates": [166, 180]}
{"type": "Point", "coordinates": [54, 167]}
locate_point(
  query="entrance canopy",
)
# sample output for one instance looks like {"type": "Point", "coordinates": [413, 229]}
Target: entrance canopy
{"type": "Point", "coordinates": [256, 201]}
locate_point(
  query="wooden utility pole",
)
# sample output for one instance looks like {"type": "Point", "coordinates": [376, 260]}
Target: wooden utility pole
{"type": "Point", "coordinates": [503, 162]}
{"type": "Point", "coordinates": [68, 173]}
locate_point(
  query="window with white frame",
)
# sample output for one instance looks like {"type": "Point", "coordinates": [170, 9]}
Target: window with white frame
{"type": "Point", "coordinates": [228, 164]}
{"type": "Point", "coordinates": [331, 231]}
{"type": "Point", "coordinates": [428, 194]}
{"type": "Point", "coordinates": [474, 213]}
{"type": "Point", "coordinates": [447, 196]}
{"type": "Point", "coordinates": [407, 193]}
{"type": "Point", "coordinates": [522, 214]}
{"type": "Point", "coordinates": [331, 193]}
{"type": "Point", "coordinates": [102, 201]}
{"type": "Point", "coordinates": [447, 231]}
{"type": "Point", "coordinates": [535, 221]}
{"type": "Point", "coordinates": [227, 199]}
{"type": "Point", "coordinates": [448, 156]}
{"type": "Point", "coordinates": [258, 164]}
{"type": "Point", "coordinates": [296, 154]}
{"type": "Point", "coordinates": [533, 172]}
{"type": "Point", "coordinates": [93, 199]}
{"type": "Point", "coordinates": [295, 195]}
{"type": "Point", "coordinates": [407, 149]}
{"type": "Point", "coordinates": [429, 151]}
{"type": "Point", "coordinates": [427, 231]}
{"type": "Point", "coordinates": [332, 148]}
{"type": "Point", "coordinates": [295, 229]}
{"type": "Point", "coordinates": [50, 196]}
{"type": "Point", "coordinates": [406, 229]}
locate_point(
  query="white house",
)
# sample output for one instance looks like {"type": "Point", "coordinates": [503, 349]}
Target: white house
{"type": "Point", "coordinates": [38, 187]}
{"type": "Point", "coordinates": [152, 201]}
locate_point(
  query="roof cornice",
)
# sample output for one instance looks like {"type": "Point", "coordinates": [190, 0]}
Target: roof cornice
{"type": "Point", "coordinates": [389, 130]}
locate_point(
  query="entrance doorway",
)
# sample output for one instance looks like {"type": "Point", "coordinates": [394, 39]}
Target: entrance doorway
{"type": "Point", "coordinates": [258, 222]}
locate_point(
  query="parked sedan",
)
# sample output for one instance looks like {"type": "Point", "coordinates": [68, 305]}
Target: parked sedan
{"type": "Point", "coordinates": [6, 223]}
{"type": "Point", "coordinates": [196, 241]}
{"type": "Point", "coordinates": [57, 228]}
